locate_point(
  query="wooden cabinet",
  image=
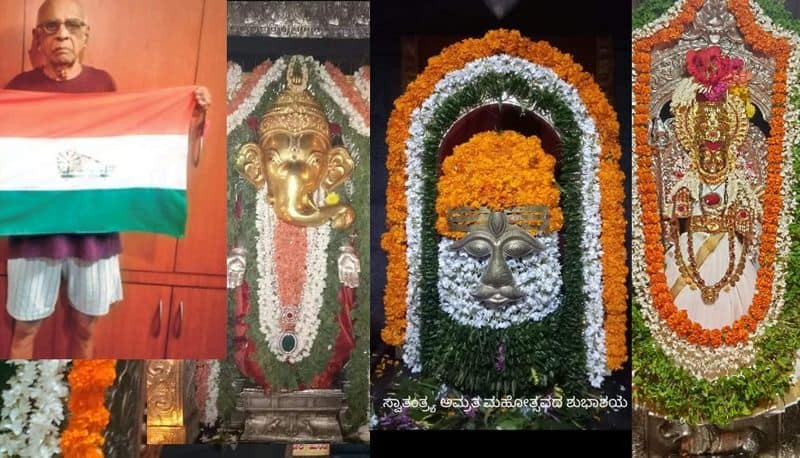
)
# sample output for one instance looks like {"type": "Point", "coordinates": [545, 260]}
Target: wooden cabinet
{"type": "Point", "coordinates": [195, 323]}
{"type": "Point", "coordinates": [180, 323]}
{"type": "Point", "coordinates": [136, 328]}
{"type": "Point", "coordinates": [151, 322]}
{"type": "Point", "coordinates": [5, 322]}
{"type": "Point", "coordinates": [178, 44]}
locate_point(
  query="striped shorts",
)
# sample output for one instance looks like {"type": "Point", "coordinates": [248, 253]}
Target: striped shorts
{"type": "Point", "coordinates": [33, 286]}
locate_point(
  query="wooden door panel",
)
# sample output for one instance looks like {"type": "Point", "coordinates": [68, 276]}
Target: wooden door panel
{"type": "Point", "coordinates": [6, 323]}
{"type": "Point", "coordinates": [3, 255]}
{"type": "Point", "coordinates": [134, 329]}
{"type": "Point", "coordinates": [206, 185]}
{"type": "Point", "coordinates": [12, 54]}
{"type": "Point", "coordinates": [12, 32]}
{"type": "Point", "coordinates": [198, 332]}
{"type": "Point", "coordinates": [147, 252]}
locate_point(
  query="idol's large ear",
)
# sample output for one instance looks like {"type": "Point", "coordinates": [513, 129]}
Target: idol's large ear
{"type": "Point", "coordinates": [340, 167]}
{"type": "Point", "coordinates": [248, 163]}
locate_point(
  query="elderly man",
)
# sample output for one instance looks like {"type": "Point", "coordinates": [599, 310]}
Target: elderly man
{"type": "Point", "coordinates": [90, 262]}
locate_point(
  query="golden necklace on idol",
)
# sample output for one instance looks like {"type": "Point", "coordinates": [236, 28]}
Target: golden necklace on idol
{"type": "Point", "coordinates": [711, 131]}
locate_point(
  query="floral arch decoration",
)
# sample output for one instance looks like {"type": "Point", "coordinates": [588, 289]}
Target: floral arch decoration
{"type": "Point", "coordinates": [570, 323]}
{"type": "Point", "coordinates": [714, 351]}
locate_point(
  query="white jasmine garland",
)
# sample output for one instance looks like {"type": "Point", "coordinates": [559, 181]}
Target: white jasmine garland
{"type": "Point", "coordinates": [594, 332]}
{"type": "Point", "coordinates": [33, 409]}
{"type": "Point", "coordinates": [538, 275]}
{"type": "Point", "coordinates": [362, 82]}
{"type": "Point", "coordinates": [357, 122]}
{"type": "Point", "coordinates": [316, 274]}
{"type": "Point", "coordinates": [269, 307]}
{"type": "Point", "coordinates": [211, 413]}
{"type": "Point", "coordinates": [233, 80]}
{"type": "Point", "coordinates": [248, 105]}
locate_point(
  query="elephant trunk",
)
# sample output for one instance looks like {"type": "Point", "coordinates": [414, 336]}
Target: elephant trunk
{"type": "Point", "coordinates": [297, 207]}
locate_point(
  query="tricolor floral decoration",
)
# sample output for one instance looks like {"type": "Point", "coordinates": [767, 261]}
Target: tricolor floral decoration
{"type": "Point", "coordinates": [570, 329]}
{"type": "Point", "coordinates": [54, 407]}
{"type": "Point", "coordinates": [755, 356]}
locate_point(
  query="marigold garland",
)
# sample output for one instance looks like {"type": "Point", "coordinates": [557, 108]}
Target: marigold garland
{"type": "Point", "coordinates": [615, 268]}
{"type": "Point", "coordinates": [554, 345]}
{"type": "Point", "coordinates": [89, 379]}
{"type": "Point", "coordinates": [677, 319]}
{"type": "Point", "coordinates": [475, 176]}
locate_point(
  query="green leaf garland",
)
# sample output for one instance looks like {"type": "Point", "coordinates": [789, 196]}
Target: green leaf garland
{"type": "Point", "coordinates": [552, 347]}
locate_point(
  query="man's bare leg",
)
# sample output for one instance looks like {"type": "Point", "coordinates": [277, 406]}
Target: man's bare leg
{"type": "Point", "coordinates": [83, 335]}
{"type": "Point", "coordinates": [24, 338]}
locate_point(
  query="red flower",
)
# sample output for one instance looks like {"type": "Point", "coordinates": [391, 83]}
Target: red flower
{"type": "Point", "coordinates": [252, 122]}
{"type": "Point", "coordinates": [710, 68]}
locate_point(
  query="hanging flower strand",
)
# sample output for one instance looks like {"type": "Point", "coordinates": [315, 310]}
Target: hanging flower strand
{"type": "Point", "coordinates": [88, 416]}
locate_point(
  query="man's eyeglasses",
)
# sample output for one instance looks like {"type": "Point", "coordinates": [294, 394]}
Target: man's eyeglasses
{"type": "Point", "coordinates": [73, 26]}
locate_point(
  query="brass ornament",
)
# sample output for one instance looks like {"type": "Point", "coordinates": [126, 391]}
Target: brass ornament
{"type": "Point", "coordinates": [496, 238]}
{"type": "Point", "coordinates": [294, 157]}
{"type": "Point", "coordinates": [237, 266]}
{"type": "Point", "coordinates": [171, 408]}
{"type": "Point", "coordinates": [533, 218]}
{"type": "Point", "coordinates": [348, 264]}
{"type": "Point", "coordinates": [711, 132]}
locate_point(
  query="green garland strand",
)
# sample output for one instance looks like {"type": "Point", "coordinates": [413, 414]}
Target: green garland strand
{"type": "Point", "coordinates": [538, 354]}
{"type": "Point", "coordinates": [650, 10]}
{"type": "Point", "coordinates": [280, 374]}
{"type": "Point", "coordinates": [672, 391]}
{"type": "Point", "coordinates": [7, 370]}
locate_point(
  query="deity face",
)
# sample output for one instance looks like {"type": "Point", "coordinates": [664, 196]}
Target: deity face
{"type": "Point", "coordinates": [295, 160]}
{"type": "Point", "coordinates": [497, 240]}
{"type": "Point", "coordinates": [295, 163]}
{"type": "Point", "coordinates": [296, 166]}
{"type": "Point", "coordinates": [713, 140]}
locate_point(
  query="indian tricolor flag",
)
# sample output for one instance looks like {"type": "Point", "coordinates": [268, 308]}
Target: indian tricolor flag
{"type": "Point", "coordinates": [94, 163]}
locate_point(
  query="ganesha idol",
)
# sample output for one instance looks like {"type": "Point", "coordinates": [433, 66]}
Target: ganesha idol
{"type": "Point", "coordinates": [295, 170]}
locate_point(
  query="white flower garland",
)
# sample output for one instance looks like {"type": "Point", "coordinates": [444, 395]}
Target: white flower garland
{"type": "Point", "coordinates": [538, 275]}
{"type": "Point", "coordinates": [594, 332]}
{"type": "Point", "coordinates": [275, 73]}
{"type": "Point", "coordinates": [33, 409]}
{"type": "Point", "coordinates": [660, 22]}
{"type": "Point", "coordinates": [211, 413]}
{"type": "Point", "coordinates": [316, 272]}
{"type": "Point", "coordinates": [269, 307]}
{"type": "Point", "coordinates": [357, 122]}
{"type": "Point", "coordinates": [362, 83]}
{"type": "Point", "coordinates": [233, 80]}
{"type": "Point", "coordinates": [701, 361]}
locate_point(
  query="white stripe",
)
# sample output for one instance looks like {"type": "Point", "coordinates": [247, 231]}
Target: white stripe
{"type": "Point", "coordinates": [131, 161]}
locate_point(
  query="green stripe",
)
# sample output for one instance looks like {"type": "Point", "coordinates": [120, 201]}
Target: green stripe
{"type": "Point", "coordinates": [161, 211]}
